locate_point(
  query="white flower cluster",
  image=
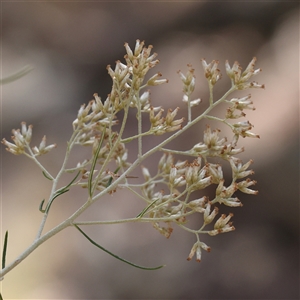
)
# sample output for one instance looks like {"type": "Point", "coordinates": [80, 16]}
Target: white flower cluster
{"type": "Point", "coordinates": [171, 196]}
{"type": "Point", "coordinates": [183, 179]}
{"type": "Point", "coordinates": [22, 139]}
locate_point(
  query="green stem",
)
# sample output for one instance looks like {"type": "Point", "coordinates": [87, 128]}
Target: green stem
{"type": "Point", "coordinates": [219, 119]}
{"type": "Point", "coordinates": [211, 95]}
{"type": "Point", "coordinates": [189, 109]}
{"type": "Point", "coordinates": [133, 220]}
{"type": "Point", "coordinates": [129, 139]}
{"type": "Point", "coordinates": [140, 145]}
{"type": "Point", "coordinates": [55, 180]}
{"type": "Point", "coordinates": [33, 157]}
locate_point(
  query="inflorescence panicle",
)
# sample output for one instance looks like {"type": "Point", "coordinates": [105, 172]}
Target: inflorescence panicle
{"type": "Point", "coordinates": [171, 195]}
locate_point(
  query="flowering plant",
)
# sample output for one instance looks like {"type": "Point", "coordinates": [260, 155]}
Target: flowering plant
{"type": "Point", "coordinates": [108, 168]}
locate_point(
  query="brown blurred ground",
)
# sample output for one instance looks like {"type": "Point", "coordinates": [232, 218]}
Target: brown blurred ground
{"type": "Point", "coordinates": [69, 44]}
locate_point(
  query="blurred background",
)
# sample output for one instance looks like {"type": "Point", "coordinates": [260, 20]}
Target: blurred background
{"type": "Point", "coordinates": [69, 45]}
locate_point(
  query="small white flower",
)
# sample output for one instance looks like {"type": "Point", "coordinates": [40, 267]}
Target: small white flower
{"type": "Point", "coordinates": [197, 249]}
{"type": "Point", "coordinates": [154, 80]}
{"type": "Point", "coordinates": [208, 216]}
{"type": "Point", "coordinates": [43, 149]}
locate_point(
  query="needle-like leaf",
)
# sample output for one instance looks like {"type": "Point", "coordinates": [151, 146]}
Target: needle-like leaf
{"type": "Point", "coordinates": [57, 193]}
{"type": "Point", "coordinates": [90, 179]}
{"type": "Point", "coordinates": [4, 249]}
{"type": "Point", "coordinates": [146, 209]}
{"type": "Point", "coordinates": [45, 174]}
{"type": "Point", "coordinates": [116, 256]}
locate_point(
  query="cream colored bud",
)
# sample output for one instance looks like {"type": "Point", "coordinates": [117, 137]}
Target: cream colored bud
{"type": "Point", "coordinates": [209, 216]}
{"type": "Point", "coordinates": [173, 174]}
{"type": "Point", "coordinates": [146, 173]}
{"type": "Point", "coordinates": [222, 221]}
{"type": "Point", "coordinates": [128, 50]}
{"type": "Point", "coordinates": [195, 249]}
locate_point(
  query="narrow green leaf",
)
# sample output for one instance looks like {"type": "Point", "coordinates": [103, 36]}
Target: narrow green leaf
{"type": "Point", "coordinates": [54, 197]}
{"type": "Point", "coordinates": [41, 206]}
{"type": "Point", "coordinates": [146, 209]}
{"type": "Point", "coordinates": [58, 193]}
{"type": "Point", "coordinates": [116, 256]}
{"type": "Point", "coordinates": [44, 173]}
{"type": "Point", "coordinates": [4, 249]}
{"type": "Point", "coordinates": [67, 186]}
{"type": "Point", "coordinates": [1, 297]}
{"type": "Point", "coordinates": [90, 179]}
